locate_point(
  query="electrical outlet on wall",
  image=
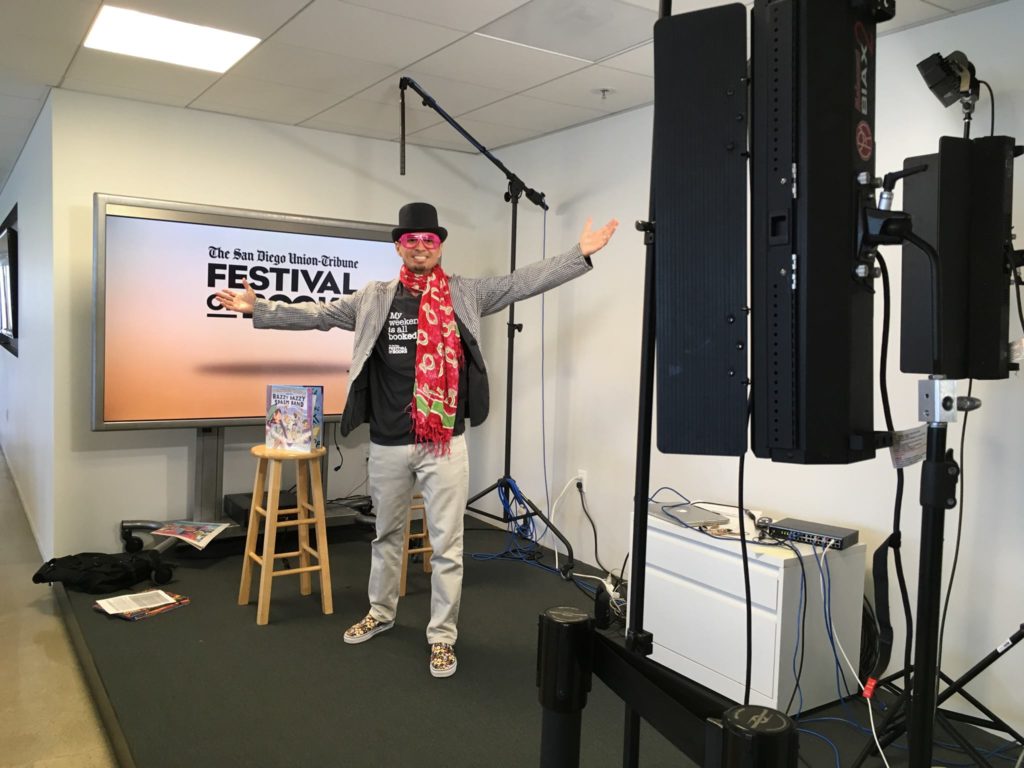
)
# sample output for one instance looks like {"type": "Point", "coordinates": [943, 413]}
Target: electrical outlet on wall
{"type": "Point", "coordinates": [581, 476]}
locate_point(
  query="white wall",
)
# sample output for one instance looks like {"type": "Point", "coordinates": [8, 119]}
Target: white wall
{"type": "Point", "coordinates": [111, 145]}
{"type": "Point", "coordinates": [26, 381]}
{"type": "Point", "coordinates": [592, 368]}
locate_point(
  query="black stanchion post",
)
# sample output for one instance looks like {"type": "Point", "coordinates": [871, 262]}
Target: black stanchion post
{"type": "Point", "coordinates": [758, 737]}
{"type": "Point", "coordinates": [564, 670]}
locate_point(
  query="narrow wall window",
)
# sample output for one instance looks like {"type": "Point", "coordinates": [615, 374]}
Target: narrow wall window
{"type": "Point", "coordinates": [9, 282]}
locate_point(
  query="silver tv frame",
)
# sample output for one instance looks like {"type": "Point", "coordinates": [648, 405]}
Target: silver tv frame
{"type": "Point", "coordinates": [105, 205]}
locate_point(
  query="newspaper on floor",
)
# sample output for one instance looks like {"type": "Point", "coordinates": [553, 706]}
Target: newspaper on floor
{"type": "Point", "coordinates": [196, 534]}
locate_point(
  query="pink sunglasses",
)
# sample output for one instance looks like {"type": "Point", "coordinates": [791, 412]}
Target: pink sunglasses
{"type": "Point", "coordinates": [429, 240]}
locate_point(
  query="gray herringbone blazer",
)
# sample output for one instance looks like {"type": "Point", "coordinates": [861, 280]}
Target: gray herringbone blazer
{"type": "Point", "coordinates": [366, 310]}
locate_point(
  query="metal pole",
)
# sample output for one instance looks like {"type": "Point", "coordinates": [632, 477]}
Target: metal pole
{"type": "Point", "coordinates": [937, 406]}
{"type": "Point", "coordinates": [565, 659]}
{"type": "Point", "coordinates": [512, 196]}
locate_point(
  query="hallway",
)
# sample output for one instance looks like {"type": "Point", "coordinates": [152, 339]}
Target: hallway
{"type": "Point", "coordinates": [47, 718]}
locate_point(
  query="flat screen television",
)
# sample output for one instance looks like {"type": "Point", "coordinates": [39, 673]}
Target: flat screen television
{"type": "Point", "coordinates": [166, 354]}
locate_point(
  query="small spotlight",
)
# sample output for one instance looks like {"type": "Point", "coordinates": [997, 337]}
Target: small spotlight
{"type": "Point", "coordinates": [951, 79]}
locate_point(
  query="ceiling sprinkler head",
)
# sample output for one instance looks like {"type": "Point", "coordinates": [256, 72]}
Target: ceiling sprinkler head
{"type": "Point", "coordinates": [603, 92]}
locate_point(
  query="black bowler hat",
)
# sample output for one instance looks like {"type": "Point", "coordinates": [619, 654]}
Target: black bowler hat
{"type": "Point", "coordinates": [418, 217]}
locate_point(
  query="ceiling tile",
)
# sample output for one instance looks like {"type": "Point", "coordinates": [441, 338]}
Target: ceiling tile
{"type": "Point", "coordinates": [453, 97]}
{"type": "Point", "coordinates": [41, 61]}
{"type": "Point", "coordinates": [496, 64]}
{"type": "Point", "coordinates": [236, 95]}
{"type": "Point", "coordinates": [277, 62]}
{"type": "Point", "coordinates": [20, 108]}
{"type": "Point", "coordinates": [127, 92]}
{"type": "Point", "coordinates": [362, 33]}
{"type": "Point", "coordinates": [64, 21]}
{"type": "Point", "coordinates": [910, 13]}
{"type": "Point", "coordinates": [959, 5]}
{"type": "Point", "coordinates": [368, 132]}
{"type": "Point", "coordinates": [465, 15]}
{"type": "Point", "coordinates": [245, 17]}
{"type": "Point", "coordinates": [583, 89]}
{"type": "Point", "coordinates": [491, 136]}
{"type": "Point", "coordinates": [651, 5]}
{"type": "Point", "coordinates": [33, 45]}
{"type": "Point", "coordinates": [115, 75]}
{"type": "Point", "coordinates": [19, 126]}
{"type": "Point", "coordinates": [639, 61]}
{"type": "Point", "coordinates": [684, 6]}
{"type": "Point", "coordinates": [533, 114]}
{"type": "Point", "coordinates": [589, 29]}
{"type": "Point", "coordinates": [384, 119]}
{"type": "Point", "coordinates": [12, 85]}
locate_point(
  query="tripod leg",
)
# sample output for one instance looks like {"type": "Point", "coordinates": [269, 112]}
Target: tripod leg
{"type": "Point", "coordinates": [492, 487]}
{"type": "Point", "coordinates": [965, 745]}
{"type": "Point", "coordinates": [956, 686]}
{"type": "Point", "coordinates": [993, 721]}
{"type": "Point", "coordinates": [569, 564]}
{"type": "Point", "coordinates": [889, 728]}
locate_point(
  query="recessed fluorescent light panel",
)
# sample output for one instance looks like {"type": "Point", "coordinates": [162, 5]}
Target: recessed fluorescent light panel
{"type": "Point", "coordinates": [132, 33]}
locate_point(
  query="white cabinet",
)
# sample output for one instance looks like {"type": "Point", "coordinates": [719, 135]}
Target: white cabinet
{"type": "Point", "coordinates": [694, 606]}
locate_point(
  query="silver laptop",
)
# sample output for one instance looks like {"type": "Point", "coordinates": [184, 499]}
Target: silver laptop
{"type": "Point", "coordinates": [693, 515]}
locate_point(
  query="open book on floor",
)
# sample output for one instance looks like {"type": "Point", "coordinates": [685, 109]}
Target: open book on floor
{"type": "Point", "coordinates": [140, 605]}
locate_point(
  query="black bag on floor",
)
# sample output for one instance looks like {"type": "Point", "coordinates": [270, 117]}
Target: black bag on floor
{"type": "Point", "coordinates": [98, 573]}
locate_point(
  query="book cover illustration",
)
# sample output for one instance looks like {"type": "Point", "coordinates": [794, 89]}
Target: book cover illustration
{"type": "Point", "coordinates": [295, 417]}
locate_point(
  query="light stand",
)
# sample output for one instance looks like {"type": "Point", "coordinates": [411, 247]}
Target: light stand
{"type": "Point", "coordinates": [937, 407]}
{"type": "Point", "coordinates": [937, 404]}
{"type": "Point", "coordinates": [708, 728]}
{"type": "Point", "coordinates": [516, 188]}
{"type": "Point", "coordinates": [939, 475]}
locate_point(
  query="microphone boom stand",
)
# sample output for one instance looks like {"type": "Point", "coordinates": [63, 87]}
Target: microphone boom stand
{"type": "Point", "coordinates": [516, 189]}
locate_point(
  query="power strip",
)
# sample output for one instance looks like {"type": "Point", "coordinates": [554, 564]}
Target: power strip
{"type": "Point", "coordinates": [816, 534]}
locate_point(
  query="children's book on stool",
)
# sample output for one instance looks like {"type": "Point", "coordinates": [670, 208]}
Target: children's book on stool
{"type": "Point", "coordinates": [295, 417]}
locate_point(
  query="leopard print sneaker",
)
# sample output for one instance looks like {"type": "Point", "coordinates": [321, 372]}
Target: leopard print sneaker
{"type": "Point", "coordinates": [365, 629]}
{"type": "Point", "coordinates": [442, 660]}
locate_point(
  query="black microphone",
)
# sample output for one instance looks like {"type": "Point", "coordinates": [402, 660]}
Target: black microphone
{"type": "Point", "coordinates": [535, 197]}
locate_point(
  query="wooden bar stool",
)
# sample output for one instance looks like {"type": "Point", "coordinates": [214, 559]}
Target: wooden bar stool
{"type": "Point", "coordinates": [421, 536]}
{"type": "Point", "coordinates": [307, 477]}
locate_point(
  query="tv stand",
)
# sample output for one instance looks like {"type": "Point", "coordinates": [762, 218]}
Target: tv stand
{"type": "Point", "coordinates": [207, 475]}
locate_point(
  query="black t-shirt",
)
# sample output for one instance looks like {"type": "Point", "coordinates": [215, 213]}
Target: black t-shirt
{"type": "Point", "coordinates": [393, 378]}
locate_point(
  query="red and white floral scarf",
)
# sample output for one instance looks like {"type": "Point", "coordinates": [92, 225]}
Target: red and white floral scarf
{"type": "Point", "coordinates": [438, 358]}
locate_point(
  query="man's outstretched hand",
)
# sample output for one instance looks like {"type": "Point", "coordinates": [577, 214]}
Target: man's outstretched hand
{"type": "Point", "coordinates": [238, 302]}
{"type": "Point", "coordinates": [592, 241]}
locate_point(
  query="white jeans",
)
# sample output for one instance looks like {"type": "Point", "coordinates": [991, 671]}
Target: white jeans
{"type": "Point", "coordinates": [444, 482]}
